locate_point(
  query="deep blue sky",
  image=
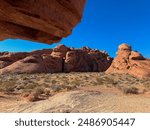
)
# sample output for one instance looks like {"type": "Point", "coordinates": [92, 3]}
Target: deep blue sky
{"type": "Point", "coordinates": [105, 25]}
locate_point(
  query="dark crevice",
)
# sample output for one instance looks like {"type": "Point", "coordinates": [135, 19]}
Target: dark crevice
{"type": "Point", "coordinates": [63, 65]}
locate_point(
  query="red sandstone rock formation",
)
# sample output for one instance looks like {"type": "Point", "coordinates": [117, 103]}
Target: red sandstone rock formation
{"type": "Point", "coordinates": [41, 52]}
{"type": "Point", "coordinates": [52, 64]}
{"type": "Point", "coordinates": [79, 61]}
{"type": "Point", "coordinates": [9, 58]}
{"type": "Point", "coordinates": [46, 21]}
{"type": "Point", "coordinates": [60, 59]}
{"type": "Point", "coordinates": [102, 58]}
{"type": "Point", "coordinates": [87, 60]}
{"type": "Point", "coordinates": [60, 51]}
{"type": "Point", "coordinates": [130, 62]}
{"type": "Point", "coordinates": [30, 64]}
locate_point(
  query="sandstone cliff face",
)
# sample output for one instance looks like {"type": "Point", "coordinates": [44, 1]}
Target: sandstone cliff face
{"type": "Point", "coordinates": [46, 21]}
{"type": "Point", "coordinates": [131, 62]}
{"type": "Point", "coordinates": [87, 61]}
{"type": "Point", "coordinates": [59, 59]}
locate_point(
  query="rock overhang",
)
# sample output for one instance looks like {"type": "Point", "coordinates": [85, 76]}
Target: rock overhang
{"type": "Point", "coordinates": [46, 21]}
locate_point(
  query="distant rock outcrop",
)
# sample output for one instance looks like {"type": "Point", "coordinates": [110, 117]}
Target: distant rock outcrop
{"type": "Point", "coordinates": [87, 61]}
{"type": "Point", "coordinates": [7, 58]}
{"type": "Point", "coordinates": [46, 21]}
{"type": "Point", "coordinates": [30, 64]}
{"type": "Point", "coordinates": [130, 62]}
{"type": "Point", "coordinates": [59, 59]}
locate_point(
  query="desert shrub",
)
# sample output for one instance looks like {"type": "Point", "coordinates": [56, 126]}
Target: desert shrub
{"type": "Point", "coordinates": [31, 86]}
{"type": "Point", "coordinates": [26, 91]}
{"type": "Point", "coordinates": [8, 86]}
{"type": "Point", "coordinates": [46, 85]}
{"type": "Point", "coordinates": [47, 92]}
{"type": "Point", "coordinates": [86, 77]}
{"type": "Point", "coordinates": [99, 81]}
{"type": "Point", "coordinates": [53, 81]}
{"type": "Point", "coordinates": [130, 90]}
{"type": "Point", "coordinates": [106, 81]}
{"type": "Point", "coordinates": [75, 82]}
{"type": "Point", "coordinates": [110, 81]}
{"type": "Point", "coordinates": [69, 87]}
{"type": "Point", "coordinates": [47, 80]}
{"type": "Point", "coordinates": [56, 88]}
{"type": "Point", "coordinates": [65, 81]}
{"type": "Point", "coordinates": [39, 91]}
{"type": "Point", "coordinates": [25, 78]}
{"type": "Point", "coordinates": [8, 89]}
{"type": "Point", "coordinates": [146, 85]}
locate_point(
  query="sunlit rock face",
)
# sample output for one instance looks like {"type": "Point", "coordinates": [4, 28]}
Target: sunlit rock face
{"type": "Point", "coordinates": [46, 21]}
{"type": "Point", "coordinates": [60, 59]}
{"type": "Point", "coordinates": [130, 62]}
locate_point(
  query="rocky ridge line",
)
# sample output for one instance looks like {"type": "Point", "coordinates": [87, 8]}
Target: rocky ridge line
{"type": "Point", "coordinates": [59, 59]}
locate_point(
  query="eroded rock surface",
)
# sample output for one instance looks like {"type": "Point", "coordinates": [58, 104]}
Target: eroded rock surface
{"type": "Point", "coordinates": [130, 62]}
{"type": "Point", "coordinates": [59, 59]}
{"type": "Point", "coordinates": [46, 21]}
{"type": "Point", "coordinates": [87, 61]}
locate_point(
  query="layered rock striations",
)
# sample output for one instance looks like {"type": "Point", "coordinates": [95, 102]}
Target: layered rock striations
{"type": "Point", "coordinates": [46, 21]}
{"type": "Point", "coordinates": [130, 62]}
{"type": "Point", "coordinates": [59, 59]}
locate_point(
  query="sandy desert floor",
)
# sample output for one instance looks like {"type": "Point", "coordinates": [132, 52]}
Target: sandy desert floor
{"type": "Point", "coordinates": [74, 92]}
